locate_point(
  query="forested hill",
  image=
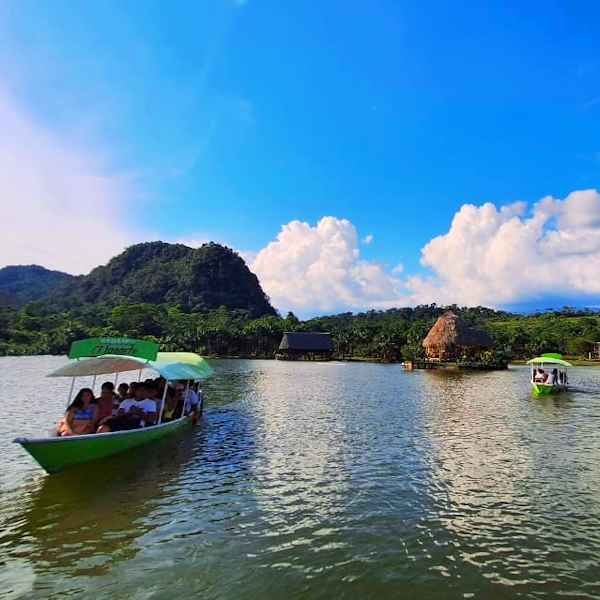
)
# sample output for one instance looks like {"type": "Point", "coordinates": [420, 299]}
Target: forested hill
{"type": "Point", "coordinates": [206, 300]}
{"type": "Point", "coordinates": [20, 284]}
{"type": "Point", "coordinates": [196, 279]}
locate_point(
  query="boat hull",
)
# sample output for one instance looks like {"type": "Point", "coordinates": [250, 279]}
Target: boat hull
{"type": "Point", "coordinates": [55, 454]}
{"type": "Point", "coordinates": [545, 389]}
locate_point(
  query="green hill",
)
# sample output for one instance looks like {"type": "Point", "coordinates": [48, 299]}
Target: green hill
{"type": "Point", "coordinates": [20, 284]}
{"type": "Point", "coordinates": [197, 279]}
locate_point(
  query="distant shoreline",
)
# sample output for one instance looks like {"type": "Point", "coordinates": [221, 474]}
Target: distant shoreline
{"type": "Point", "coordinates": [576, 362]}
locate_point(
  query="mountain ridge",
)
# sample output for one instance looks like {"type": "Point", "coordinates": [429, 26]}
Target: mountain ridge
{"type": "Point", "coordinates": [20, 284]}
{"type": "Point", "coordinates": [159, 272]}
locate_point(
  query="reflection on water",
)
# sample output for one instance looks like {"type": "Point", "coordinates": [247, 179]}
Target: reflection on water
{"type": "Point", "coordinates": [317, 481]}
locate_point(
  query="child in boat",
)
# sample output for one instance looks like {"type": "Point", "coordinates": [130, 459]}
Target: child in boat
{"type": "Point", "coordinates": [80, 417]}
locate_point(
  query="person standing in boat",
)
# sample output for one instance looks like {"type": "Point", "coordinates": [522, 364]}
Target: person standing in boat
{"type": "Point", "coordinates": [80, 417]}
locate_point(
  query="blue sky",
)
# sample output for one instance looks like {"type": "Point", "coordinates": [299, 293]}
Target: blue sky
{"type": "Point", "coordinates": [230, 119]}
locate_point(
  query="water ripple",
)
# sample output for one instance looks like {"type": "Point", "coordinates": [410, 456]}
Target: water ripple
{"type": "Point", "coordinates": [316, 481]}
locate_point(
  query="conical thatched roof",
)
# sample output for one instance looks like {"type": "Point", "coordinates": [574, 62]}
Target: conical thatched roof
{"type": "Point", "coordinates": [451, 332]}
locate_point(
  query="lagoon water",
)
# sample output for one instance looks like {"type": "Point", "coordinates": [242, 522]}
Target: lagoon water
{"type": "Point", "coordinates": [310, 480]}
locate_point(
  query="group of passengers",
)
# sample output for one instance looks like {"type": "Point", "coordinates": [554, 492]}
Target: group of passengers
{"type": "Point", "coordinates": [135, 405]}
{"type": "Point", "coordinates": [554, 377]}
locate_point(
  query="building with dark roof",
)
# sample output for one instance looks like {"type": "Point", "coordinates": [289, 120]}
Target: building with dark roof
{"type": "Point", "coordinates": [305, 346]}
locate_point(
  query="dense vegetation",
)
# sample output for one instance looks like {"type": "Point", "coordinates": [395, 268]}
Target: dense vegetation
{"type": "Point", "coordinates": [391, 335]}
{"type": "Point", "coordinates": [207, 300]}
{"type": "Point", "coordinates": [27, 283]}
{"type": "Point", "coordinates": [196, 279]}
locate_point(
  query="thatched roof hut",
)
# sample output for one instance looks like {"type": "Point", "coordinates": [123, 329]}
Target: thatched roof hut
{"type": "Point", "coordinates": [450, 338]}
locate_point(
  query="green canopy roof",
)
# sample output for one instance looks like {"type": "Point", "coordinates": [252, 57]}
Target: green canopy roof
{"type": "Point", "coordinates": [549, 360]}
{"type": "Point", "coordinates": [123, 346]}
{"type": "Point", "coordinates": [170, 365]}
{"type": "Point", "coordinates": [181, 365]}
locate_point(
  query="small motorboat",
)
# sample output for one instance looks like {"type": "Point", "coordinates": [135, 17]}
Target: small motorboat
{"type": "Point", "coordinates": [549, 374]}
{"type": "Point", "coordinates": [103, 356]}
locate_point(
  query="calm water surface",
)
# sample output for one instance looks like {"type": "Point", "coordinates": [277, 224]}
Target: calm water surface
{"type": "Point", "coordinates": [315, 481]}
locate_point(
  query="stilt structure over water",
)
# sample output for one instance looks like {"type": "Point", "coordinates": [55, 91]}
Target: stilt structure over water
{"type": "Point", "coordinates": [452, 343]}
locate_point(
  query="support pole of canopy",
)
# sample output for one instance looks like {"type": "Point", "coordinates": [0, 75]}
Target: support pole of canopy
{"type": "Point", "coordinates": [185, 398]}
{"type": "Point", "coordinates": [162, 404]}
{"type": "Point", "coordinates": [94, 385]}
{"type": "Point", "coordinates": [116, 379]}
{"type": "Point", "coordinates": [139, 375]}
{"type": "Point", "coordinates": [71, 391]}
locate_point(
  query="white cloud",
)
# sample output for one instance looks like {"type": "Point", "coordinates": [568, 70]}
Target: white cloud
{"type": "Point", "coordinates": [315, 269]}
{"type": "Point", "coordinates": [249, 256]}
{"type": "Point", "coordinates": [192, 242]}
{"type": "Point", "coordinates": [496, 256]}
{"type": "Point", "coordinates": [490, 256]}
{"type": "Point", "coordinates": [57, 206]}
{"type": "Point", "coordinates": [368, 239]}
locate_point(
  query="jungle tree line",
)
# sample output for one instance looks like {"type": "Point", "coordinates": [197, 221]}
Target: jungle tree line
{"type": "Point", "coordinates": [391, 335]}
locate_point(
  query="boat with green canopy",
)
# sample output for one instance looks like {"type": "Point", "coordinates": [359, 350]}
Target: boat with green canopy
{"type": "Point", "coordinates": [104, 356]}
{"type": "Point", "coordinates": [549, 374]}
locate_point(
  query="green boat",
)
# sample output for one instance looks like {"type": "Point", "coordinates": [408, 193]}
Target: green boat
{"type": "Point", "coordinates": [552, 381]}
{"type": "Point", "coordinates": [103, 356]}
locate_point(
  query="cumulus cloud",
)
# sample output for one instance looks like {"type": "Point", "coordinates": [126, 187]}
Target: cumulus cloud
{"type": "Point", "coordinates": [319, 268]}
{"type": "Point", "coordinates": [193, 241]}
{"type": "Point", "coordinates": [58, 208]}
{"type": "Point", "coordinates": [490, 256]}
{"type": "Point", "coordinates": [500, 256]}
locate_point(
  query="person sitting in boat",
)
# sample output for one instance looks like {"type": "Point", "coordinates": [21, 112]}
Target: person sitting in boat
{"type": "Point", "coordinates": [148, 410]}
{"type": "Point", "coordinates": [123, 390]}
{"type": "Point", "coordinates": [539, 376]}
{"type": "Point", "coordinates": [80, 417]}
{"type": "Point", "coordinates": [127, 417]}
{"type": "Point", "coordinates": [191, 398]}
{"type": "Point", "coordinates": [554, 379]}
{"type": "Point", "coordinates": [120, 422]}
{"type": "Point", "coordinates": [173, 405]}
{"type": "Point", "coordinates": [182, 395]}
{"type": "Point", "coordinates": [141, 406]}
{"type": "Point", "coordinates": [105, 403]}
{"type": "Point", "coordinates": [129, 405]}
{"type": "Point", "coordinates": [195, 404]}
{"type": "Point", "coordinates": [154, 394]}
